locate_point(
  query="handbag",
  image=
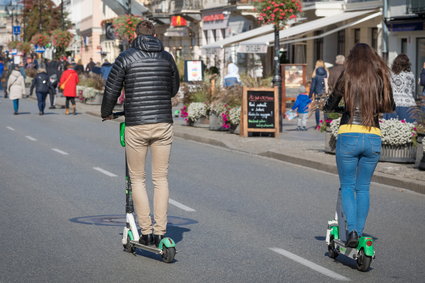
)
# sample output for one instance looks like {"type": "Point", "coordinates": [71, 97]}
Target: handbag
{"type": "Point", "coordinates": [62, 86]}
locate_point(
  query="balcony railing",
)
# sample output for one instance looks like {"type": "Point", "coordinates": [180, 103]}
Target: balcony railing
{"type": "Point", "coordinates": [186, 5]}
{"type": "Point", "coordinates": [417, 6]}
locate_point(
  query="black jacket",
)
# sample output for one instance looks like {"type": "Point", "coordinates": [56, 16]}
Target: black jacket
{"type": "Point", "coordinates": [335, 97]}
{"type": "Point", "coordinates": [41, 83]}
{"type": "Point", "coordinates": [150, 79]}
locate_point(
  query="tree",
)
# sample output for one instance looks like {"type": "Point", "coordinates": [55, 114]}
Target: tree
{"type": "Point", "coordinates": [61, 40]}
{"type": "Point", "coordinates": [42, 16]}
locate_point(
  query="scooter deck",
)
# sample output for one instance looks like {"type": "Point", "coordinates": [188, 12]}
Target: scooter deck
{"type": "Point", "coordinates": [146, 248]}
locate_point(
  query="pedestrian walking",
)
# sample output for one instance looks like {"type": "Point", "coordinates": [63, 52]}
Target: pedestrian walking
{"type": "Point", "coordinates": [41, 83]}
{"type": "Point", "coordinates": [79, 68]}
{"type": "Point", "coordinates": [365, 86]}
{"type": "Point", "coordinates": [301, 105]}
{"type": "Point", "coordinates": [16, 87]}
{"type": "Point", "coordinates": [318, 88]}
{"type": "Point", "coordinates": [403, 85]}
{"type": "Point", "coordinates": [1, 72]}
{"type": "Point", "coordinates": [149, 121]}
{"type": "Point", "coordinates": [105, 69]}
{"type": "Point", "coordinates": [68, 84]}
{"type": "Point", "coordinates": [336, 71]}
{"type": "Point", "coordinates": [90, 66]}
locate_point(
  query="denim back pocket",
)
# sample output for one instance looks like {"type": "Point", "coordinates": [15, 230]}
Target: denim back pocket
{"type": "Point", "coordinates": [376, 143]}
{"type": "Point", "coordinates": [348, 143]}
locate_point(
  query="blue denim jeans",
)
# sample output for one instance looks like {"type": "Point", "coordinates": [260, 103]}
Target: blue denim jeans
{"type": "Point", "coordinates": [41, 100]}
{"type": "Point", "coordinates": [357, 155]}
{"type": "Point", "coordinates": [16, 105]}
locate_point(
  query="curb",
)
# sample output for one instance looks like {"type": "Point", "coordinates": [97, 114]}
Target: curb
{"type": "Point", "coordinates": [378, 177]}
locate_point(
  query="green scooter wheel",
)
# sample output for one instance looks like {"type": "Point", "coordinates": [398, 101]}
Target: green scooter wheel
{"type": "Point", "coordinates": [129, 247]}
{"type": "Point", "coordinates": [168, 254]}
{"type": "Point", "coordinates": [332, 252]}
{"type": "Point", "coordinates": [363, 261]}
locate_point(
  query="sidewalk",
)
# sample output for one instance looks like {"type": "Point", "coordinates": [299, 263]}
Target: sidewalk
{"type": "Point", "coordinates": [301, 148]}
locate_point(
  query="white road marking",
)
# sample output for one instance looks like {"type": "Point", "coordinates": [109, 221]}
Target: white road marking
{"type": "Point", "coordinates": [31, 138]}
{"type": "Point", "coordinates": [181, 206]}
{"type": "Point", "coordinates": [310, 264]}
{"type": "Point", "coordinates": [103, 171]}
{"type": "Point", "coordinates": [10, 128]}
{"type": "Point", "coordinates": [60, 151]}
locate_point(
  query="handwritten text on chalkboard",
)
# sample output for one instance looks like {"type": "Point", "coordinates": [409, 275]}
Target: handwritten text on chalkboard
{"type": "Point", "coordinates": [261, 109]}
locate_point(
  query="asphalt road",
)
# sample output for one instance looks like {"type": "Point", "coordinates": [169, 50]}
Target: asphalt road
{"type": "Point", "coordinates": [235, 217]}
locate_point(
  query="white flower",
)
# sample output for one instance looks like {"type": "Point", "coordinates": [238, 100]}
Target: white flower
{"type": "Point", "coordinates": [235, 115]}
{"type": "Point", "coordinates": [393, 131]}
{"type": "Point", "coordinates": [218, 108]}
{"type": "Point", "coordinates": [196, 111]}
{"type": "Point", "coordinates": [335, 127]}
{"type": "Point", "coordinates": [396, 132]}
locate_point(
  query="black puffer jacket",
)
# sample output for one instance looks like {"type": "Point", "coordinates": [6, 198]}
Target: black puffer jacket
{"type": "Point", "coordinates": [150, 79]}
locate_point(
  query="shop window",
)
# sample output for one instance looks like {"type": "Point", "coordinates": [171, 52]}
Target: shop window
{"type": "Point", "coordinates": [403, 45]}
{"type": "Point", "coordinates": [341, 42]}
{"type": "Point", "coordinates": [356, 35]}
{"type": "Point", "coordinates": [374, 38]}
{"type": "Point", "coordinates": [318, 46]}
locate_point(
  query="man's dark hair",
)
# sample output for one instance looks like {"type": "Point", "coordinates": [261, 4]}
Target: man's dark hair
{"type": "Point", "coordinates": [145, 27]}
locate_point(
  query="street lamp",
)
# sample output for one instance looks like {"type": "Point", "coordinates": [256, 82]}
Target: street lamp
{"type": "Point", "coordinates": [10, 12]}
{"type": "Point", "coordinates": [277, 79]}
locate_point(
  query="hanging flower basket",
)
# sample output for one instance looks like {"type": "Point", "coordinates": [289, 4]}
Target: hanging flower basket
{"type": "Point", "coordinates": [125, 26]}
{"type": "Point", "coordinates": [278, 12]}
{"type": "Point", "coordinates": [40, 39]}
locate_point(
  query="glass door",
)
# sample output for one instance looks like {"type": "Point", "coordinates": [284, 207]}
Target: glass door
{"type": "Point", "coordinates": [420, 61]}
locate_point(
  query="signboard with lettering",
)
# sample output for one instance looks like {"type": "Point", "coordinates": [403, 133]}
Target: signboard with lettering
{"type": "Point", "coordinates": [193, 71]}
{"type": "Point", "coordinates": [260, 111]}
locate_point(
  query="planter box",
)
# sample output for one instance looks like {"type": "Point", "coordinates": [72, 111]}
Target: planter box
{"type": "Point", "coordinates": [96, 99]}
{"type": "Point", "coordinates": [398, 153]}
{"type": "Point", "coordinates": [420, 156]}
{"type": "Point", "coordinates": [201, 123]}
{"type": "Point", "coordinates": [330, 143]}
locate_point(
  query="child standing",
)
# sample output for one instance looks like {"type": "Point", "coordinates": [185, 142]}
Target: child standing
{"type": "Point", "coordinates": [301, 104]}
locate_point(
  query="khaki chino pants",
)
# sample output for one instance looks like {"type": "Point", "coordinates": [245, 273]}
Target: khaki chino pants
{"type": "Point", "coordinates": [157, 137]}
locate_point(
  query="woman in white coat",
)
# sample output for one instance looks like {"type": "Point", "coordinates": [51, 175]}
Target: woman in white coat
{"type": "Point", "coordinates": [16, 87]}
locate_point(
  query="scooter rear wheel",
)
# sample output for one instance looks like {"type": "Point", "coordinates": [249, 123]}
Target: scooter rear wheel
{"type": "Point", "coordinates": [332, 252]}
{"type": "Point", "coordinates": [168, 254]}
{"type": "Point", "coordinates": [129, 247]}
{"type": "Point", "coordinates": [363, 261]}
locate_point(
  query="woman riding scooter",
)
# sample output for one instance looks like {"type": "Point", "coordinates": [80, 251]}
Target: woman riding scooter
{"type": "Point", "coordinates": [365, 87]}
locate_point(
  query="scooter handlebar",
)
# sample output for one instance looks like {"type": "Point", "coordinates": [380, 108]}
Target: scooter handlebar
{"type": "Point", "coordinates": [116, 115]}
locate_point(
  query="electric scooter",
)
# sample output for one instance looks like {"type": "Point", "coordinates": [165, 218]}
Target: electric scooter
{"type": "Point", "coordinates": [336, 237]}
{"type": "Point", "coordinates": [130, 237]}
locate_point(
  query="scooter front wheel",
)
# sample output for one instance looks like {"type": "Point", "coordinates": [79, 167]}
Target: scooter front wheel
{"type": "Point", "coordinates": [168, 254]}
{"type": "Point", "coordinates": [363, 261]}
{"type": "Point", "coordinates": [332, 252]}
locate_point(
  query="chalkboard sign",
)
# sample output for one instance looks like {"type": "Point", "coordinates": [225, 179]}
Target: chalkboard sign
{"type": "Point", "coordinates": [260, 111]}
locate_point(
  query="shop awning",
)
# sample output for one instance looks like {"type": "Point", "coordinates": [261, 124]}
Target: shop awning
{"type": "Point", "coordinates": [240, 37]}
{"type": "Point", "coordinates": [260, 43]}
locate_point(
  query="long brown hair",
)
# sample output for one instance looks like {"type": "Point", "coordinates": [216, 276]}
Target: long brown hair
{"type": "Point", "coordinates": [401, 64]}
{"type": "Point", "coordinates": [367, 84]}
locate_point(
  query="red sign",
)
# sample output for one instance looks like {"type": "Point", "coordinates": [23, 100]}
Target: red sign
{"type": "Point", "coordinates": [214, 17]}
{"type": "Point", "coordinates": [178, 21]}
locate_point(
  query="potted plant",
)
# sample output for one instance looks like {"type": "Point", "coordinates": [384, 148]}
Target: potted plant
{"type": "Point", "coordinates": [218, 116]}
{"type": "Point", "coordinates": [398, 140]}
{"type": "Point", "coordinates": [325, 126]}
{"type": "Point", "coordinates": [90, 89]}
{"type": "Point", "coordinates": [196, 111]}
{"type": "Point", "coordinates": [235, 119]}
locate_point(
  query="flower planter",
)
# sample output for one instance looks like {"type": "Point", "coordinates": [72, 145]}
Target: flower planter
{"type": "Point", "coordinates": [201, 123]}
{"type": "Point", "coordinates": [330, 143]}
{"type": "Point", "coordinates": [234, 129]}
{"type": "Point", "coordinates": [398, 153]}
{"type": "Point", "coordinates": [420, 156]}
{"type": "Point", "coordinates": [215, 122]}
{"type": "Point", "coordinates": [96, 99]}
